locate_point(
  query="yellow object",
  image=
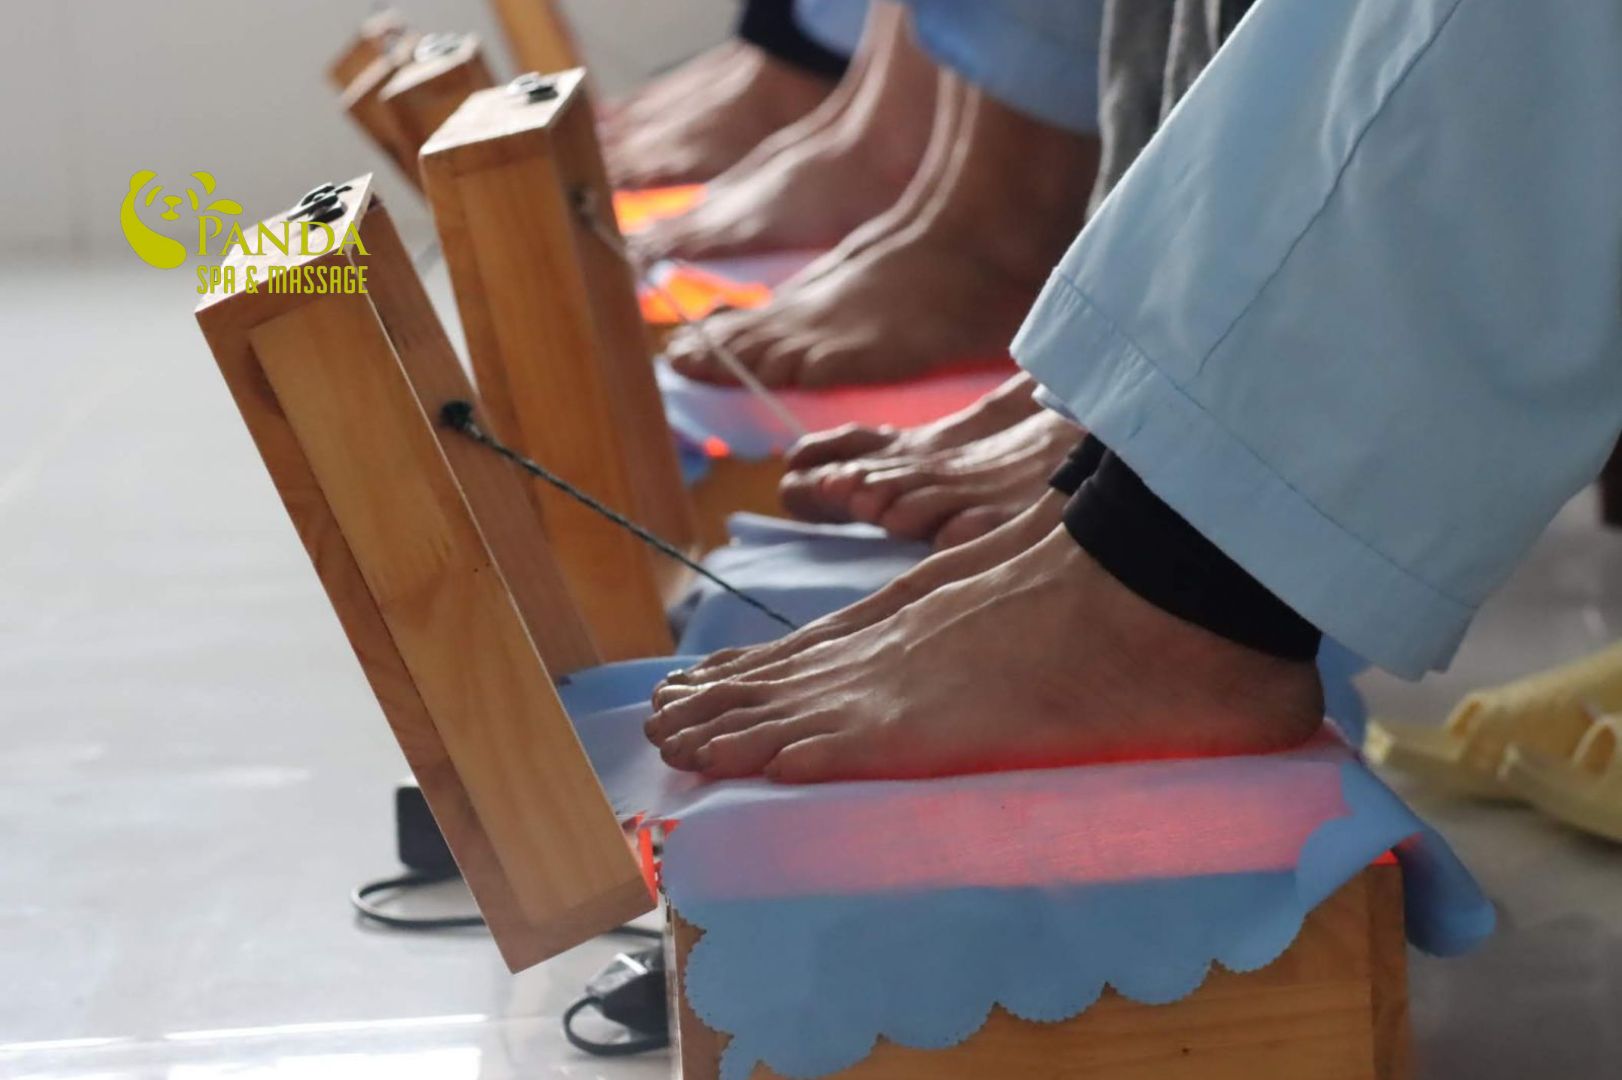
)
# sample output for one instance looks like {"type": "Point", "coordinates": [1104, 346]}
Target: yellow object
{"type": "Point", "coordinates": [1546, 714]}
{"type": "Point", "coordinates": [1584, 791]}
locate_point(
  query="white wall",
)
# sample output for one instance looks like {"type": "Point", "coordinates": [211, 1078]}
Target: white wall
{"type": "Point", "coordinates": [94, 90]}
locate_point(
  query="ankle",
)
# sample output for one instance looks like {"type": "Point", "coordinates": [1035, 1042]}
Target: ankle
{"type": "Point", "coordinates": [783, 93]}
{"type": "Point", "coordinates": [1217, 696]}
{"type": "Point", "coordinates": [1014, 399]}
{"type": "Point", "coordinates": [1019, 206]}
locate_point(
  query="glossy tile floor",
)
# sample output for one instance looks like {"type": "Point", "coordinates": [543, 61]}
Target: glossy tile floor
{"type": "Point", "coordinates": [193, 773]}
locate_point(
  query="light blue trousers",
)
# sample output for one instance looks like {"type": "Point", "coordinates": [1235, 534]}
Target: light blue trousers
{"type": "Point", "coordinates": [1356, 312]}
{"type": "Point", "coordinates": [835, 24]}
{"type": "Point", "coordinates": [1039, 57]}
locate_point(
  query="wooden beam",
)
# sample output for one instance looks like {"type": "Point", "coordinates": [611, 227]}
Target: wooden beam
{"type": "Point", "coordinates": [504, 505]}
{"type": "Point", "coordinates": [378, 31]}
{"type": "Point", "coordinates": [362, 102]}
{"type": "Point", "coordinates": [538, 35]}
{"type": "Point", "coordinates": [396, 543]}
{"type": "Point", "coordinates": [444, 70]}
{"type": "Point", "coordinates": [555, 337]}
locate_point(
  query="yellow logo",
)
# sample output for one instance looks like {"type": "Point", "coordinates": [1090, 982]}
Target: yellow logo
{"type": "Point", "coordinates": [303, 232]}
{"type": "Point", "coordinates": [156, 249]}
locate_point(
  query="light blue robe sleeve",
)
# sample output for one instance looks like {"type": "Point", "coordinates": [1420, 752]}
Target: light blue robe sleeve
{"type": "Point", "coordinates": [1356, 313]}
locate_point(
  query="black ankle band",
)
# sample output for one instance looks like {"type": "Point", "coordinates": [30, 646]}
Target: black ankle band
{"type": "Point", "coordinates": [1148, 547]}
{"type": "Point", "coordinates": [1232, 11]}
{"type": "Point", "coordinates": [770, 25]}
{"type": "Point", "coordinates": [1082, 463]}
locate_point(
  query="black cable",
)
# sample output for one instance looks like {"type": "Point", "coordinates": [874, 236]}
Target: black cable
{"type": "Point", "coordinates": [458, 416]}
{"type": "Point", "coordinates": [619, 1049]}
{"type": "Point", "coordinates": [360, 899]}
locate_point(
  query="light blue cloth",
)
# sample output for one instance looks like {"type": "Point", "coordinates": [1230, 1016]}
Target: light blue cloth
{"type": "Point", "coordinates": [1039, 57]}
{"type": "Point", "coordinates": [801, 571]}
{"type": "Point", "coordinates": [834, 24]}
{"type": "Point", "coordinates": [924, 966]}
{"type": "Point", "coordinates": [1045, 890]}
{"type": "Point", "coordinates": [1356, 312]}
{"type": "Point", "coordinates": [909, 908]}
{"type": "Point", "coordinates": [700, 413]}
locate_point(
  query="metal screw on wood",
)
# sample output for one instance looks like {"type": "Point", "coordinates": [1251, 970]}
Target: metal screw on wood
{"type": "Point", "coordinates": [320, 204]}
{"type": "Point", "coordinates": [436, 45]}
{"type": "Point", "coordinates": [533, 86]}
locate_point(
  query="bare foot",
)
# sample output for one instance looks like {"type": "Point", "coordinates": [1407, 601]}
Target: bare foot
{"type": "Point", "coordinates": [920, 196]}
{"type": "Point", "coordinates": [951, 286]}
{"type": "Point", "coordinates": [957, 495]}
{"type": "Point", "coordinates": [921, 301]}
{"type": "Point", "coordinates": [946, 482]}
{"type": "Point", "coordinates": [814, 182]}
{"type": "Point", "coordinates": [986, 553]}
{"type": "Point", "coordinates": [1004, 407]}
{"type": "Point", "coordinates": [946, 496]}
{"type": "Point", "coordinates": [656, 98]}
{"type": "Point", "coordinates": [710, 127]}
{"type": "Point", "coordinates": [1044, 661]}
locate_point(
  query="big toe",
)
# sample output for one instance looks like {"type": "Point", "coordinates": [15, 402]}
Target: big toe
{"type": "Point", "coordinates": [836, 755]}
{"type": "Point", "coordinates": [839, 444]}
{"type": "Point", "coordinates": [747, 750]}
{"type": "Point", "coordinates": [696, 352]}
{"type": "Point", "coordinates": [805, 496]}
{"type": "Point", "coordinates": [876, 493]}
{"type": "Point", "coordinates": [780, 363]}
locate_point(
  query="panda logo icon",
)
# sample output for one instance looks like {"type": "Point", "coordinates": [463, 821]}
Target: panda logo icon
{"type": "Point", "coordinates": [156, 249]}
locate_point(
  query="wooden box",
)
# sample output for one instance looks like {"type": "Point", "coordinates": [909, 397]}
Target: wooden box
{"type": "Point", "coordinates": [1333, 1007]}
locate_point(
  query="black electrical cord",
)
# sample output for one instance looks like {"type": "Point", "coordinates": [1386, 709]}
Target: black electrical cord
{"type": "Point", "coordinates": [618, 1049]}
{"type": "Point", "coordinates": [458, 416]}
{"type": "Point", "coordinates": [361, 900]}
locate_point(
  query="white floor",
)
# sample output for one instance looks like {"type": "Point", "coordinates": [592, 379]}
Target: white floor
{"type": "Point", "coordinates": [193, 773]}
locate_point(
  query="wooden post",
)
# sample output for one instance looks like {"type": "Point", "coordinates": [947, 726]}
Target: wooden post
{"type": "Point", "coordinates": [362, 101]}
{"type": "Point", "coordinates": [537, 34]}
{"type": "Point", "coordinates": [444, 70]}
{"type": "Point", "coordinates": [396, 515]}
{"type": "Point", "coordinates": [1333, 1007]}
{"type": "Point", "coordinates": [555, 336]}
{"type": "Point", "coordinates": [378, 31]}
{"type": "Point", "coordinates": [505, 506]}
